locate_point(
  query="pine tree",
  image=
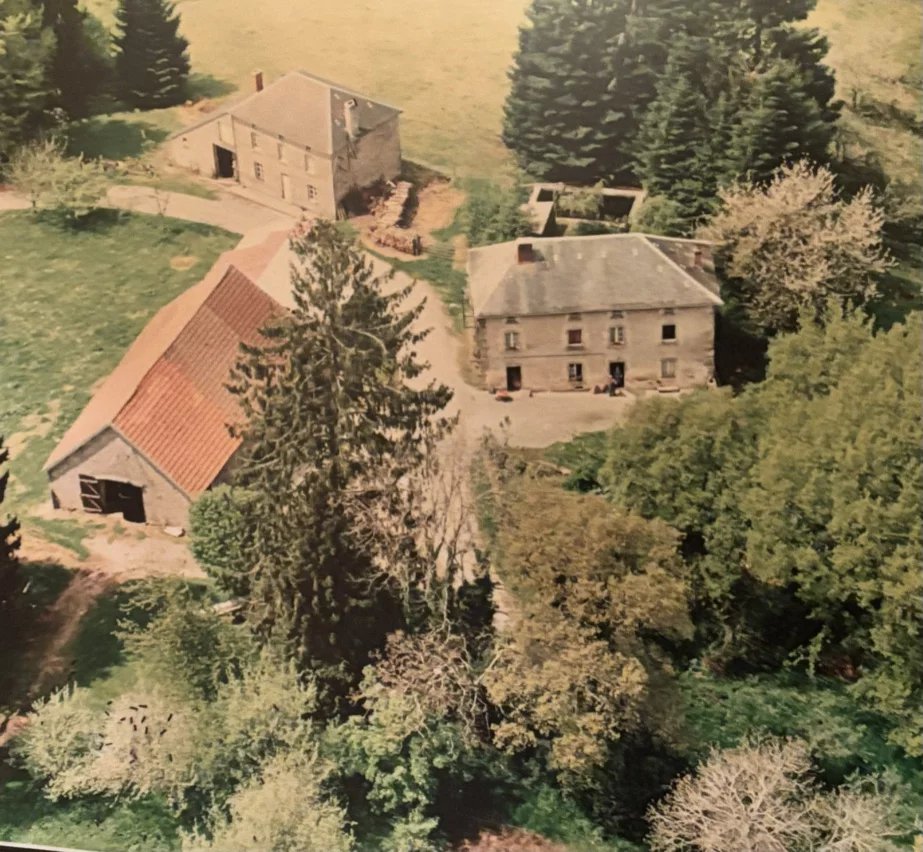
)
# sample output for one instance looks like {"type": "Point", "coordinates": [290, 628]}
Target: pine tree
{"type": "Point", "coordinates": [565, 117]}
{"type": "Point", "coordinates": [9, 543]}
{"type": "Point", "coordinates": [327, 400]}
{"type": "Point", "coordinates": [674, 144]}
{"type": "Point", "coordinates": [780, 122]}
{"type": "Point", "coordinates": [25, 93]}
{"type": "Point", "coordinates": [78, 70]}
{"type": "Point", "coordinates": [153, 62]}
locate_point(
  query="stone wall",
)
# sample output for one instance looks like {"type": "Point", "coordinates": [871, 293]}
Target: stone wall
{"type": "Point", "coordinates": [109, 455]}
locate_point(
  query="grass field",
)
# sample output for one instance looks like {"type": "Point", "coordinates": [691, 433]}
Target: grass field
{"type": "Point", "coordinates": [73, 302]}
{"type": "Point", "coordinates": [443, 63]}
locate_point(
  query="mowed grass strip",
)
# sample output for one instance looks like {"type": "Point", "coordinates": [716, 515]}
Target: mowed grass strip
{"type": "Point", "coordinates": [73, 301]}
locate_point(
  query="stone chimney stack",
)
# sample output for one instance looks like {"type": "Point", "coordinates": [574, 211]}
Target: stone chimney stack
{"type": "Point", "coordinates": [525, 253]}
{"type": "Point", "coordinates": [351, 118]}
{"type": "Point", "coordinates": [698, 257]}
{"type": "Point", "coordinates": [258, 81]}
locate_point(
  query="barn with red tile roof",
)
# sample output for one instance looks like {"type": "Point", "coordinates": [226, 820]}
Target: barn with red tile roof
{"type": "Point", "coordinates": [155, 435]}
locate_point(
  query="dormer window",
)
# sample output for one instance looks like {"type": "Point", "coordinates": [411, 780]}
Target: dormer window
{"type": "Point", "coordinates": [512, 321]}
{"type": "Point", "coordinates": [616, 315]}
{"type": "Point", "coordinates": [573, 317]}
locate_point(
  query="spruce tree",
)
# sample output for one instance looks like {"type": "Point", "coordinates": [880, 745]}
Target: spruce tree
{"type": "Point", "coordinates": [78, 69]}
{"type": "Point", "coordinates": [25, 92]}
{"type": "Point", "coordinates": [9, 544]}
{"type": "Point", "coordinates": [779, 123]}
{"type": "Point", "coordinates": [564, 117]}
{"type": "Point", "coordinates": [153, 62]}
{"type": "Point", "coordinates": [327, 400]}
{"type": "Point", "coordinates": [674, 142]}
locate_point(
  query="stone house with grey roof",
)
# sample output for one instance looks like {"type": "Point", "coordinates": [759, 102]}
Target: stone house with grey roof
{"type": "Point", "coordinates": [571, 313]}
{"type": "Point", "coordinates": [301, 139]}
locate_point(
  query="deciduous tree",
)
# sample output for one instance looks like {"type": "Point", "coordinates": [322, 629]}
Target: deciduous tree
{"type": "Point", "coordinates": [580, 664]}
{"type": "Point", "coordinates": [762, 796]}
{"type": "Point", "coordinates": [795, 243]}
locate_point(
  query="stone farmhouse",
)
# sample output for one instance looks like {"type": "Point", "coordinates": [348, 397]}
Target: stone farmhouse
{"type": "Point", "coordinates": [301, 139]}
{"type": "Point", "coordinates": [572, 313]}
{"type": "Point", "coordinates": [155, 434]}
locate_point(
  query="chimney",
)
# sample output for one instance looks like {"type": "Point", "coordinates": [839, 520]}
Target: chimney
{"type": "Point", "coordinates": [524, 253]}
{"type": "Point", "coordinates": [351, 118]}
{"type": "Point", "coordinates": [698, 258]}
{"type": "Point", "coordinates": [258, 81]}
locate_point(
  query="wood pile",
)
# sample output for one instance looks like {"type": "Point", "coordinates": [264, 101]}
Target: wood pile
{"type": "Point", "coordinates": [388, 213]}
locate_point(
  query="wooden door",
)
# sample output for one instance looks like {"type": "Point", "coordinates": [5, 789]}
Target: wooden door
{"type": "Point", "coordinates": [92, 494]}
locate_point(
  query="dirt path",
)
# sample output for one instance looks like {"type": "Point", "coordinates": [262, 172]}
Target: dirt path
{"type": "Point", "coordinates": [45, 655]}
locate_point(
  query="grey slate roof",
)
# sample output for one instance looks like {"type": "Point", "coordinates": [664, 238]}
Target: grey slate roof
{"type": "Point", "coordinates": [573, 274]}
{"type": "Point", "coordinates": [305, 110]}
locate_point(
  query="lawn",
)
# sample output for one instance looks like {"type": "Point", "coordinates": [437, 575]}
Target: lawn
{"type": "Point", "coordinates": [443, 63]}
{"type": "Point", "coordinates": [73, 302]}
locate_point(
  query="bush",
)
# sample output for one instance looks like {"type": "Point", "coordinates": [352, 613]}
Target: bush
{"type": "Point", "coordinates": [592, 229]}
{"type": "Point", "coordinates": [493, 214]}
{"type": "Point", "coordinates": [70, 187]}
{"type": "Point", "coordinates": [220, 537]}
{"type": "Point", "coordinates": [659, 215]}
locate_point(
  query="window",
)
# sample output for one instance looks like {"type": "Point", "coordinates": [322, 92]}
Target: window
{"type": "Point", "coordinates": [668, 368]}
{"type": "Point", "coordinates": [254, 141]}
{"type": "Point", "coordinates": [280, 151]}
{"type": "Point", "coordinates": [668, 312]}
{"type": "Point", "coordinates": [511, 340]}
{"type": "Point", "coordinates": [573, 317]}
{"type": "Point", "coordinates": [668, 333]}
{"type": "Point", "coordinates": [575, 372]}
{"type": "Point", "coordinates": [309, 164]}
{"type": "Point", "coordinates": [617, 315]}
{"type": "Point", "coordinates": [617, 335]}
{"type": "Point", "coordinates": [312, 191]}
{"type": "Point", "coordinates": [512, 321]}
{"type": "Point", "coordinates": [575, 337]}
{"type": "Point", "coordinates": [258, 171]}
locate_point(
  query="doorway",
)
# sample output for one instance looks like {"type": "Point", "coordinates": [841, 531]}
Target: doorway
{"type": "Point", "coordinates": [111, 496]}
{"type": "Point", "coordinates": [617, 372]}
{"type": "Point", "coordinates": [225, 162]}
{"type": "Point", "coordinates": [513, 378]}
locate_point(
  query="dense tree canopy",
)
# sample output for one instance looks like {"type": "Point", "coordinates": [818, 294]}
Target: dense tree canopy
{"type": "Point", "coordinates": [592, 592]}
{"type": "Point", "coordinates": [685, 97]}
{"type": "Point", "coordinates": [826, 525]}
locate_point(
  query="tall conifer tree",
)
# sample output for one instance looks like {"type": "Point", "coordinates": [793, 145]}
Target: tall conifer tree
{"type": "Point", "coordinates": [25, 92]}
{"type": "Point", "coordinates": [9, 543]}
{"type": "Point", "coordinates": [153, 61]}
{"type": "Point", "coordinates": [78, 70]}
{"type": "Point", "coordinates": [327, 400]}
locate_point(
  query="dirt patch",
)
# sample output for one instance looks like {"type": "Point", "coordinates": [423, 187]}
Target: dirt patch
{"type": "Point", "coordinates": [437, 204]}
{"type": "Point", "coordinates": [183, 262]}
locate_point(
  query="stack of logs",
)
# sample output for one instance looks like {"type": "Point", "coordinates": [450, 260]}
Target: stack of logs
{"type": "Point", "coordinates": [387, 230]}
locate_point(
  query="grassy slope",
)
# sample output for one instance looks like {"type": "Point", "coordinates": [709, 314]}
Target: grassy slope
{"type": "Point", "coordinates": [73, 302]}
{"type": "Point", "coordinates": [875, 50]}
{"type": "Point", "coordinates": [444, 64]}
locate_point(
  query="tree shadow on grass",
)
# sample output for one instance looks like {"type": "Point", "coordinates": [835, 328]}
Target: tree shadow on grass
{"type": "Point", "coordinates": [113, 138]}
{"type": "Point", "coordinates": [207, 86]}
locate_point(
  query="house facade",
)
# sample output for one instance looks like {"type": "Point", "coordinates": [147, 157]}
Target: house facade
{"type": "Point", "coordinates": [571, 313]}
{"type": "Point", "coordinates": [301, 139]}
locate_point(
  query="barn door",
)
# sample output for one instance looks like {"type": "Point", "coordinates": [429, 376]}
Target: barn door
{"type": "Point", "coordinates": [92, 494]}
